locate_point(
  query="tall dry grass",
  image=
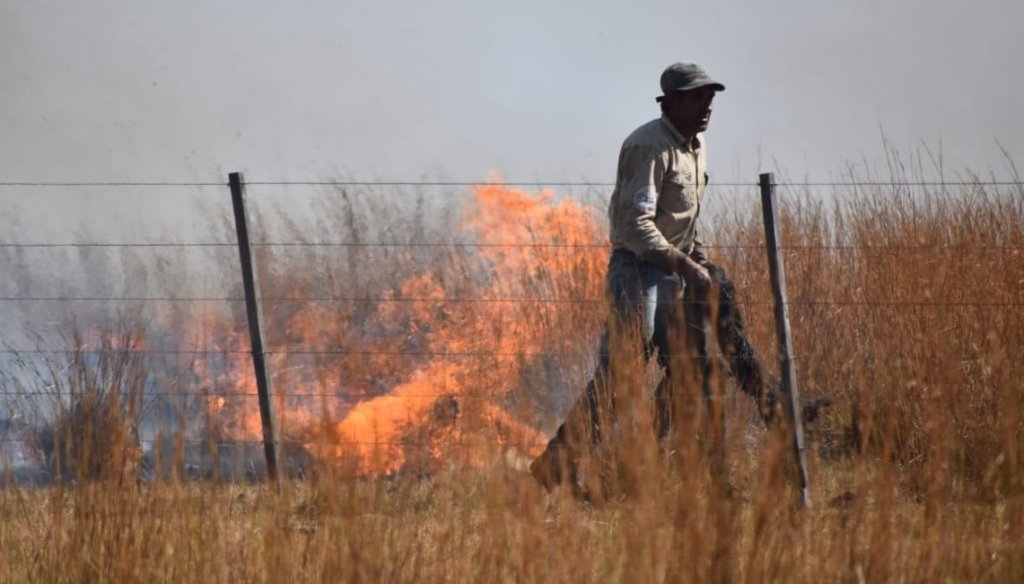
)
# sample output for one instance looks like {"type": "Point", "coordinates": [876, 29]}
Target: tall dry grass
{"type": "Point", "coordinates": [83, 405]}
{"type": "Point", "coordinates": [906, 308]}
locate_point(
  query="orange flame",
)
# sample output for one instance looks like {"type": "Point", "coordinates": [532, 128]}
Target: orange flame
{"type": "Point", "coordinates": [540, 255]}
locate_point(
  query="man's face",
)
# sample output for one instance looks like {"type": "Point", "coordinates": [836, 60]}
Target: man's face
{"type": "Point", "coordinates": [690, 111]}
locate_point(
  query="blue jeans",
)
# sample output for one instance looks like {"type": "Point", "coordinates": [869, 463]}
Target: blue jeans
{"type": "Point", "coordinates": [651, 310]}
{"type": "Point", "coordinates": [645, 300]}
{"type": "Point", "coordinates": [648, 314]}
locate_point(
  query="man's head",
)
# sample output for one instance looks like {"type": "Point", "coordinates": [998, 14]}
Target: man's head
{"type": "Point", "coordinates": [687, 96]}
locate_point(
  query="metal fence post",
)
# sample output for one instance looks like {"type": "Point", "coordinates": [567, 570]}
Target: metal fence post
{"type": "Point", "coordinates": [255, 316]}
{"type": "Point", "coordinates": [772, 233]}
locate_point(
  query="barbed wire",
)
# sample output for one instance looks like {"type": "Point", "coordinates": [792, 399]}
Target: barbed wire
{"type": "Point", "coordinates": [503, 183]}
{"type": "Point", "coordinates": [227, 442]}
{"type": "Point", "coordinates": [31, 245]}
{"type": "Point", "coordinates": [28, 184]}
{"type": "Point", "coordinates": [310, 352]}
{"type": "Point", "coordinates": [570, 183]}
{"type": "Point", "coordinates": [448, 300]}
{"type": "Point", "coordinates": [960, 247]}
{"type": "Point", "coordinates": [348, 396]}
{"type": "Point", "coordinates": [101, 351]}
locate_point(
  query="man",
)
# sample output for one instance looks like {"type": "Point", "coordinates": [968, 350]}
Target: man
{"type": "Point", "coordinates": [656, 256]}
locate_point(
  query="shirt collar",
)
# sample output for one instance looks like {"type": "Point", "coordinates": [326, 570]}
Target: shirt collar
{"type": "Point", "coordinates": [694, 145]}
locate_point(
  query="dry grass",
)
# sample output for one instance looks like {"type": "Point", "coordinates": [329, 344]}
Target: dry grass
{"type": "Point", "coordinates": [906, 307]}
{"type": "Point", "coordinates": [496, 525]}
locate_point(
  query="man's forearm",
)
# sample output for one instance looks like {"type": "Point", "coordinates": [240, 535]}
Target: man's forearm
{"type": "Point", "coordinates": [694, 275]}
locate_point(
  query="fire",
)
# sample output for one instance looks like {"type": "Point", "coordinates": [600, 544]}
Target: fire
{"type": "Point", "coordinates": [475, 338]}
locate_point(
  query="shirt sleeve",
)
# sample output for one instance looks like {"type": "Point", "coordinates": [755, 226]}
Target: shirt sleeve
{"type": "Point", "coordinates": [697, 253]}
{"type": "Point", "coordinates": [641, 172]}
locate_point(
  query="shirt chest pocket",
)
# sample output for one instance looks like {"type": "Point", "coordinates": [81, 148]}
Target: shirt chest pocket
{"type": "Point", "coordinates": [679, 192]}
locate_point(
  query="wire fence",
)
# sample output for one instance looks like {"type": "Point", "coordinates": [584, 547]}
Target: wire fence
{"type": "Point", "coordinates": [1017, 189]}
{"type": "Point", "coordinates": [511, 183]}
{"type": "Point", "coordinates": [592, 303]}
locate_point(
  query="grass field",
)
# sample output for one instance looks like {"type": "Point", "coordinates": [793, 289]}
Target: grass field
{"type": "Point", "coordinates": [906, 308]}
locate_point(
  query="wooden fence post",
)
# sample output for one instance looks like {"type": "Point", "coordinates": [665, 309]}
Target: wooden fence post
{"type": "Point", "coordinates": [255, 315]}
{"type": "Point", "coordinates": [772, 233]}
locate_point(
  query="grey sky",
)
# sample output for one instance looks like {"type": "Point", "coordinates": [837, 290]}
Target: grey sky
{"type": "Point", "coordinates": [189, 90]}
{"type": "Point", "coordinates": [146, 90]}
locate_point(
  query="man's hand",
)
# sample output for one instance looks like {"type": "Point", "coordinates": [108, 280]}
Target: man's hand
{"type": "Point", "coordinates": [695, 275]}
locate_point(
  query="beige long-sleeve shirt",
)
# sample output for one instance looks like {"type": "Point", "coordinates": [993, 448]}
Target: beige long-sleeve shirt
{"type": "Point", "coordinates": [658, 190]}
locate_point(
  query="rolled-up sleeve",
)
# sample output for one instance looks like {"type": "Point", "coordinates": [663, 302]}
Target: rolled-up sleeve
{"type": "Point", "coordinates": [642, 171]}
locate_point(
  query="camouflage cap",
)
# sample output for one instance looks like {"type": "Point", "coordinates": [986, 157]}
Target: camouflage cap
{"type": "Point", "coordinates": [686, 76]}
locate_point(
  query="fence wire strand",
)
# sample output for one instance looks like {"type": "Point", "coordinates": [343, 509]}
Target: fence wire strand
{"type": "Point", "coordinates": [555, 301]}
{"type": "Point", "coordinates": [942, 247]}
{"type": "Point", "coordinates": [503, 183]}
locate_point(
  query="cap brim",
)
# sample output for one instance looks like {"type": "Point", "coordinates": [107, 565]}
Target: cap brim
{"type": "Point", "coordinates": [702, 83]}
{"type": "Point", "coordinates": [713, 84]}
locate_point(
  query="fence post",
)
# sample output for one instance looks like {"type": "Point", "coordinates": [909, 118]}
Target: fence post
{"type": "Point", "coordinates": [255, 315]}
{"type": "Point", "coordinates": [773, 232]}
